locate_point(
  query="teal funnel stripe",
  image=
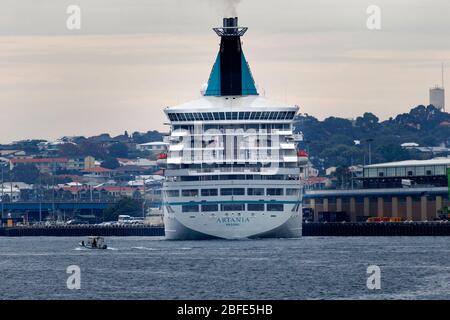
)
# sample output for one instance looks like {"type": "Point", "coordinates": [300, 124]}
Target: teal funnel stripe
{"type": "Point", "coordinates": [213, 88]}
{"type": "Point", "coordinates": [248, 84]}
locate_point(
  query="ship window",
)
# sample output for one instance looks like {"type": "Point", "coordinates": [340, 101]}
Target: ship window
{"type": "Point", "coordinates": [274, 192]}
{"type": "Point", "coordinates": [241, 115]}
{"type": "Point", "coordinates": [222, 115]}
{"type": "Point", "coordinates": [189, 208]}
{"type": "Point", "coordinates": [189, 193]}
{"type": "Point", "coordinates": [205, 116]}
{"type": "Point", "coordinates": [263, 115]}
{"type": "Point", "coordinates": [281, 115]}
{"type": "Point", "coordinates": [216, 116]}
{"type": "Point", "coordinates": [232, 207]}
{"type": "Point", "coordinates": [234, 116]}
{"type": "Point", "coordinates": [232, 191]}
{"type": "Point", "coordinates": [189, 116]}
{"type": "Point", "coordinates": [275, 207]}
{"type": "Point", "coordinates": [189, 178]}
{"type": "Point", "coordinates": [258, 115]}
{"type": "Point", "coordinates": [273, 115]}
{"type": "Point", "coordinates": [181, 117]}
{"type": "Point", "coordinates": [255, 207]}
{"type": "Point", "coordinates": [210, 207]}
{"type": "Point", "coordinates": [255, 191]}
{"type": "Point", "coordinates": [290, 115]}
{"type": "Point", "coordinates": [253, 115]}
{"type": "Point", "coordinates": [209, 192]}
{"type": "Point", "coordinates": [198, 116]}
{"type": "Point", "coordinates": [228, 115]}
{"type": "Point", "coordinates": [226, 192]}
{"type": "Point", "coordinates": [173, 193]}
{"type": "Point", "coordinates": [171, 117]}
{"type": "Point", "coordinates": [292, 192]}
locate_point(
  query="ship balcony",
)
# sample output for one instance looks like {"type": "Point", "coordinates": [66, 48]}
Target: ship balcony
{"type": "Point", "coordinates": [237, 132]}
{"type": "Point", "coordinates": [233, 170]}
{"type": "Point", "coordinates": [208, 158]}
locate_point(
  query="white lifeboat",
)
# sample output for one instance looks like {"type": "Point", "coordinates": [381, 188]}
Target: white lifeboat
{"type": "Point", "coordinates": [162, 160]}
{"type": "Point", "coordinates": [302, 157]}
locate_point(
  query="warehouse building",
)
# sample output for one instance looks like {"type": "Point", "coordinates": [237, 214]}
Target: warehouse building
{"type": "Point", "coordinates": [414, 190]}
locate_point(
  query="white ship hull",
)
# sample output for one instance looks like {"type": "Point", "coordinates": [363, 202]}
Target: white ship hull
{"type": "Point", "coordinates": [233, 224]}
{"type": "Point", "coordinates": [200, 226]}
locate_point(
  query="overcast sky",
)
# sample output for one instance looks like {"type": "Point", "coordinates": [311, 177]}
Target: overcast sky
{"type": "Point", "coordinates": [133, 57]}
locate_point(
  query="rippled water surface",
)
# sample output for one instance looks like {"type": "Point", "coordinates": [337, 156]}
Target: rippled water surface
{"type": "Point", "coordinates": [152, 268]}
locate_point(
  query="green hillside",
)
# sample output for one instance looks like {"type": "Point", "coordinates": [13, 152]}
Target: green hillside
{"type": "Point", "coordinates": [331, 142]}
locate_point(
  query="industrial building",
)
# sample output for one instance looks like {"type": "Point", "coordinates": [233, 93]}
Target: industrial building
{"type": "Point", "coordinates": [415, 190]}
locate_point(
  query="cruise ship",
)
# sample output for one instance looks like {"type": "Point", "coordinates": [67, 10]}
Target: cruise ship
{"type": "Point", "coordinates": [232, 170]}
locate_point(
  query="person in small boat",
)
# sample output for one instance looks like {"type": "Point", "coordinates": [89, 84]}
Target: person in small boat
{"type": "Point", "coordinates": [82, 243]}
{"type": "Point", "coordinates": [94, 243]}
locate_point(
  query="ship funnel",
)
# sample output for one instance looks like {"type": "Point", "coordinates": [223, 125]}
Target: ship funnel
{"type": "Point", "coordinates": [231, 75]}
{"type": "Point", "coordinates": [230, 25]}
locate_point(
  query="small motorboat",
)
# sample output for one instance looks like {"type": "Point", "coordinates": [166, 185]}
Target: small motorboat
{"type": "Point", "coordinates": [94, 242]}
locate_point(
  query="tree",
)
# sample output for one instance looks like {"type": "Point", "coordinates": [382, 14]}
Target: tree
{"type": "Point", "coordinates": [331, 141]}
{"type": "Point", "coordinates": [125, 206]}
{"type": "Point", "coordinates": [118, 149]}
{"type": "Point", "coordinates": [90, 148]}
{"type": "Point", "coordinates": [343, 177]}
{"type": "Point", "coordinates": [367, 121]}
{"type": "Point", "coordinates": [69, 150]}
{"type": "Point", "coordinates": [149, 136]}
{"type": "Point", "coordinates": [110, 163]}
{"type": "Point", "coordinates": [391, 152]}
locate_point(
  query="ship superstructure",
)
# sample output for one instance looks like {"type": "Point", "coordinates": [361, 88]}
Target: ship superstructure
{"type": "Point", "coordinates": [232, 168]}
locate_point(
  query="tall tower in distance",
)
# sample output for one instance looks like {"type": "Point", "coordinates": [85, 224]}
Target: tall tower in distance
{"type": "Point", "coordinates": [437, 94]}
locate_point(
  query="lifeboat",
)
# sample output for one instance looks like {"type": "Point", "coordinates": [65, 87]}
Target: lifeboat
{"type": "Point", "coordinates": [162, 160]}
{"type": "Point", "coordinates": [302, 157]}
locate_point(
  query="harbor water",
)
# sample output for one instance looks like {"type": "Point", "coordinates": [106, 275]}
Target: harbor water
{"type": "Point", "coordinates": [152, 268]}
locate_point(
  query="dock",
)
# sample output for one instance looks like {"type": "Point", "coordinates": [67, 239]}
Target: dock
{"type": "Point", "coordinates": [82, 230]}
